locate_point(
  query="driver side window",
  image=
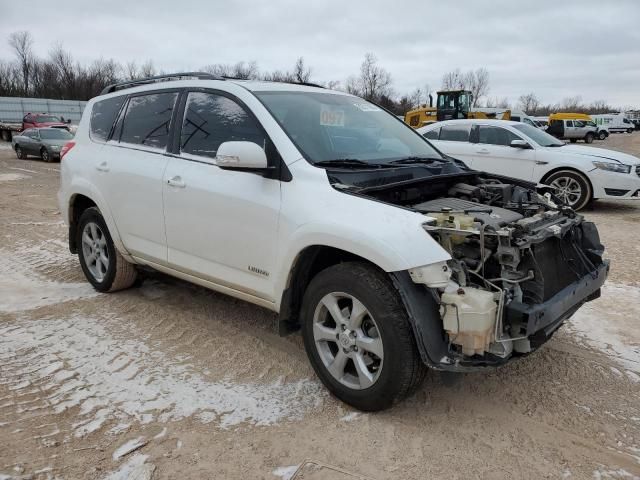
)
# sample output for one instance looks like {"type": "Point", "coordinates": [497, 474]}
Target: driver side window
{"type": "Point", "coordinates": [211, 119]}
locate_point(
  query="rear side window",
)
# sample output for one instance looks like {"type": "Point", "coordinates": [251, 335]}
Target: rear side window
{"type": "Point", "coordinates": [495, 135]}
{"type": "Point", "coordinates": [103, 115]}
{"type": "Point", "coordinates": [455, 133]}
{"type": "Point", "coordinates": [569, 123]}
{"type": "Point", "coordinates": [432, 134]}
{"type": "Point", "coordinates": [147, 119]}
{"type": "Point", "coordinates": [211, 119]}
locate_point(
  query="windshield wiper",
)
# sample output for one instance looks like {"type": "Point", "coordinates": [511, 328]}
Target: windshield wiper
{"type": "Point", "coordinates": [422, 160]}
{"type": "Point", "coordinates": [349, 163]}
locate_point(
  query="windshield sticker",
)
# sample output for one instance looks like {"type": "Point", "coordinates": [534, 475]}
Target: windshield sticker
{"type": "Point", "coordinates": [331, 117]}
{"type": "Point", "coordinates": [367, 107]}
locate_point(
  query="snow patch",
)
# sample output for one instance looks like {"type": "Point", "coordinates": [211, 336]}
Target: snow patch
{"type": "Point", "coordinates": [12, 177]}
{"type": "Point", "coordinates": [128, 447]}
{"type": "Point", "coordinates": [350, 417]}
{"type": "Point", "coordinates": [609, 325]}
{"type": "Point", "coordinates": [21, 288]}
{"type": "Point", "coordinates": [112, 375]}
{"type": "Point", "coordinates": [286, 473]}
{"type": "Point", "coordinates": [135, 468]}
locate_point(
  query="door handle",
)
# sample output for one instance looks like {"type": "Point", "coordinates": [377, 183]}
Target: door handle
{"type": "Point", "coordinates": [103, 167]}
{"type": "Point", "coordinates": [484, 150]}
{"type": "Point", "coordinates": [540, 162]}
{"type": "Point", "coordinates": [176, 182]}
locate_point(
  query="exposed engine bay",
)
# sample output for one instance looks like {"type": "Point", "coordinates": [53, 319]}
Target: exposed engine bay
{"type": "Point", "coordinates": [521, 261]}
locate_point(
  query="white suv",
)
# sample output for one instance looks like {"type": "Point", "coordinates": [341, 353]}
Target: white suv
{"type": "Point", "coordinates": [328, 210]}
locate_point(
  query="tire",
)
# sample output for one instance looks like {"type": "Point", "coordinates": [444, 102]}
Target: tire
{"type": "Point", "coordinates": [573, 140]}
{"type": "Point", "coordinates": [45, 155]}
{"type": "Point", "coordinates": [588, 138]}
{"type": "Point", "coordinates": [112, 272]}
{"type": "Point", "coordinates": [629, 130]}
{"type": "Point", "coordinates": [602, 135]}
{"type": "Point", "coordinates": [578, 189]}
{"type": "Point", "coordinates": [20, 153]}
{"type": "Point", "coordinates": [384, 377]}
{"type": "Point", "coordinates": [6, 135]}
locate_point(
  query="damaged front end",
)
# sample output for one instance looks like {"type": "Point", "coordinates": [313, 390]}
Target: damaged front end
{"type": "Point", "coordinates": [520, 265]}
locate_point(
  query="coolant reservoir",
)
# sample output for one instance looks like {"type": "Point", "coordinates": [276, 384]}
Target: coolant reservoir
{"type": "Point", "coordinates": [469, 317]}
{"type": "Point", "coordinates": [458, 221]}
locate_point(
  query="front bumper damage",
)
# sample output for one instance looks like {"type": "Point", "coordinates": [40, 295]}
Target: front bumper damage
{"type": "Point", "coordinates": [542, 320]}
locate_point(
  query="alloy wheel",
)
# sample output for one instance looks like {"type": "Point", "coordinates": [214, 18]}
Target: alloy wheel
{"type": "Point", "coordinates": [568, 189]}
{"type": "Point", "coordinates": [347, 340]}
{"type": "Point", "coordinates": [95, 251]}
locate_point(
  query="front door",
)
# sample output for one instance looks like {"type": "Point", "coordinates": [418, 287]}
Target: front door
{"type": "Point", "coordinates": [493, 153]}
{"type": "Point", "coordinates": [221, 224]}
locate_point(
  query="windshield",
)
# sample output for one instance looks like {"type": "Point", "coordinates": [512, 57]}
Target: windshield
{"type": "Point", "coordinates": [328, 126]}
{"type": "Point", "coordinates": [47, 119]}
{"type": "Point", "coordinates": [55, 134]}
{"type": "Point", "coordinates": [539, 136]}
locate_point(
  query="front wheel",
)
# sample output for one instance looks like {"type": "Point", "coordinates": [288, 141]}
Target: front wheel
{"type": "Point", "coordinates": [629, 130]}
{"type": "Point", "coordinates": [572, 187]}
{"type": "Point", "coordinates": [588, 138]}
{"type": "Point", "coordinates": [573, 140]}
{"type": "Point", "coordinates": [358, 337]}
{"type": "Point", "coordinates": [102, 264]}
{"type": "Point", "coordinates": [602, 135]}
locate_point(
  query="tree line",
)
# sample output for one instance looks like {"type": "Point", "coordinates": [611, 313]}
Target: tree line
{"type": "Point", "coordinates": [59, 76]}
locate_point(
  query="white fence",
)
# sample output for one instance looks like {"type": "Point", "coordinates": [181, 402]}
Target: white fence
{"type": "Point", "coordinates": [13, 109]}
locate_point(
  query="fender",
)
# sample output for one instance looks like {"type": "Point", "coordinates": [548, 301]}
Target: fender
{"type": "Point", "coordinates": [80, 186]}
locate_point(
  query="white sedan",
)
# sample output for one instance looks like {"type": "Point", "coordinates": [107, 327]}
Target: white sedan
{"type": "Point", "coordinates": [578, 173]}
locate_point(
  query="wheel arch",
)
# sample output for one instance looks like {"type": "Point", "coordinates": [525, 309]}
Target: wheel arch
{"type": "Point", "coordinates": [546, 176]}
{"type": "Point", "coordinates": [308, 263]}
{"type": "Point", "coordinates": [84, 197]}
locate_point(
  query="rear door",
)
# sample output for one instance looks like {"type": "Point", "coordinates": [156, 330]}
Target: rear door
{"type": "Point", "coordinates": [453, 139]}
{"type": "Point", "coordinates": [221, 224]}
{"type": "Point", "coordinates": [30, 144]}
{"type": "Point", "coordinates": [129, 171]}
{"type": "Point", "coordinates": [494, 154]}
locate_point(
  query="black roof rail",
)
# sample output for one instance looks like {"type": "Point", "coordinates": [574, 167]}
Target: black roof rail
{"type": "Point", "coordinates": [290, 82]}
{"type": "Point", "coordinates": [159, 78]}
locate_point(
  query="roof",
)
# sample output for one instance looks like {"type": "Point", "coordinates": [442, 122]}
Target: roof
{"type": "Point", "coordinates": [476, 121]}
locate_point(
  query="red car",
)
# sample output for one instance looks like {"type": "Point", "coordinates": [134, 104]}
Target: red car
{"type": "Point", "coordinates": [42, 120]}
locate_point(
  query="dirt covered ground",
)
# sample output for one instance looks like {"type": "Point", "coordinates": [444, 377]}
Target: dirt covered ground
{"type": "Point", "coordinates": [173, 381]}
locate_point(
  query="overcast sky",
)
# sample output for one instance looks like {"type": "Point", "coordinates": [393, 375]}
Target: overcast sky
{"type": "Point", "coordinates": [556, 48]}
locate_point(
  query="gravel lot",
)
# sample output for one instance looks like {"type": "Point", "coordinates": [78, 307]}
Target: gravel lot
{"type": "Point", "coordinates": [173, 381]}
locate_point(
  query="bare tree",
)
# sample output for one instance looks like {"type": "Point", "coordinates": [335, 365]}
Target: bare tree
{"type": "Point", "coordinates": [453, 80]}
{"type": "Point", "coordinates": [529, 103]}
{"type": "Point", "coordinates": [477, 82]}
{"type": "Point", "coordinates": [22, 45]}
{"type": "Point", "coordinates": [571, 104]}
{"type": "Point", "coordinates": [374, 81]}
{"type": "Point", "coordinates": [240, 70]}
{"type": "Point", "coordinates": [301, 72]}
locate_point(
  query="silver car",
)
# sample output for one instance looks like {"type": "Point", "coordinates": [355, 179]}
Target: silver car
{"type": "Point", "coordinates": [45, 143]}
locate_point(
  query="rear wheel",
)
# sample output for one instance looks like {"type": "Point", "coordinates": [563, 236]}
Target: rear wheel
{"type": "Point", "coordinates": [45, 155]}
{"type": "Point", "coordinates": [573, 140]}
{"type": "Point", "coordinates": [358, 337]}
{"type": "Point", "coordinates": [588, 138]}
{"type": "Point", "coordinates": [20, 153]}
{"type": "Point", "coordinates": [629, 130]}
{"type": "Point", "coordinates": [572, 187]}
{"type": "Point", "coordinates": [101, 263]}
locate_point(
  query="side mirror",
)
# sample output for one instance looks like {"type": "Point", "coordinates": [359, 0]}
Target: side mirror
{"type": "Point", "coordinates": [520, 144]}
{"type": "Point", "coordinates": [241, 155]}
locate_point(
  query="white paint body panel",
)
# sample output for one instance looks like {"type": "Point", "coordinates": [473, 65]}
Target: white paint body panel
{"type": "Point", "coordinates": [534, 164]}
